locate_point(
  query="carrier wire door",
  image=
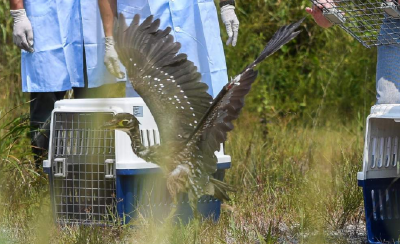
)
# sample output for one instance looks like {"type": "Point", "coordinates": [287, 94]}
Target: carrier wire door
{"type": "Point", "coordinates": [83, 184]}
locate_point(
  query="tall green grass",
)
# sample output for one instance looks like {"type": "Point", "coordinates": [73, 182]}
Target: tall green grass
{"type": "Point", "coordinates": [295, 150]}
{"type": "Point", "coordinates": [294, 184]}
{"type": "Point", "coordinates": [10, 74]}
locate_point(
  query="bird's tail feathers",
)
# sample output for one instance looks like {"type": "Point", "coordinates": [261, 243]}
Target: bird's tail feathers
{"type": "Point", "coordinates": [280, 38]}
{"type": "Point", "coordinates": [221, 189]}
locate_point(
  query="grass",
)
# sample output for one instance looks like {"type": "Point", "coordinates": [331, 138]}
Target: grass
{"type": "Point", "coordinates": [294, 184]}
{"type": "Point", "coordinates": [295, 158]}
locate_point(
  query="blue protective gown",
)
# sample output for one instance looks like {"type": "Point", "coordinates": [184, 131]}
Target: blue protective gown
{"type": "Point", "coordinates": [60, 29]}
{"type": "Point", "coordinates": [195, 25]}
{"type": "Point", "coordinates": [387, 68]}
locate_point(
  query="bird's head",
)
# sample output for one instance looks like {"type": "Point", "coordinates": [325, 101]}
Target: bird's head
{"type": "Point", "coordinates": [125, 122]}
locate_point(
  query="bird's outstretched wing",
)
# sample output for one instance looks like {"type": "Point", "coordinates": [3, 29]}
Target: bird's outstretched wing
{"type": "Point", "coordinates": [217, 121]}
{"type": "Point", "coordinates": [168, 82]}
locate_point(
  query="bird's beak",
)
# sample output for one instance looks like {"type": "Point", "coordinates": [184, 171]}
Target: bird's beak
{"type": "Point", "coordinates": [110, 125]}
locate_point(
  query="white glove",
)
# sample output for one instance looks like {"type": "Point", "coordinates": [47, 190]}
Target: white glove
{"type": "Point", "coordinates": [22, 30]}
{"type": "Point", "coordinates": [231, 22]}
{"type": "Point", "coordinates": [111, 59]}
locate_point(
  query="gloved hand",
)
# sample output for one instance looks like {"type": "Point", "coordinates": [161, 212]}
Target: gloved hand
{"type": "Point", "coordinates": [22, 30]}
{"type": "Point", "coordinates": [231, 22]}
{"type": "Point", "coordinates": [111, 59]}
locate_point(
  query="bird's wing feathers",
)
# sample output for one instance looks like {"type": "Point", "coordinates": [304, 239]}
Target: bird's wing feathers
{"type": "Point", "coordinates": [168, 82]}
{"type": "Point", "coordinates": [170, 85]}
{"type": "Point", "coordinates": [281, 37]}
{"type": "Point", "coordinates": [226, 107]}
{"type": "Point", "coordinates": [214, 127]}
{"type": "Point", "coordinates": [211, 132]}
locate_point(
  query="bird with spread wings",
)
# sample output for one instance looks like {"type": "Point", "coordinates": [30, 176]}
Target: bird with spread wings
{"type": "Point", "coordinates": [192, 124]}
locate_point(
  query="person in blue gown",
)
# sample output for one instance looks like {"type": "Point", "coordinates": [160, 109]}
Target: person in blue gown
{"type": "Point", "coordinates": [63, 47]}
{"type": "Point", "coordinates": [194, 24]}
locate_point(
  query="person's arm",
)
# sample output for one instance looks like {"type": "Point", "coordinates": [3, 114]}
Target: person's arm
{"type": "Point", "coordinates": [16, 4]}
{"type": "Point", "coordinates": [108, 11]}
{"type": "Point", "coordinates": [22, 29]}
{"type": "Point", "coordinates": [230, 20]}
{"type": "Point", "coordinates": [316, 13]}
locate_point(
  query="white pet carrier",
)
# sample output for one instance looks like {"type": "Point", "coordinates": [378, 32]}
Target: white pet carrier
{"type": "Point", "coordinates": [95, 177]}
{"type": "Point", "coordinates": [380, 175]}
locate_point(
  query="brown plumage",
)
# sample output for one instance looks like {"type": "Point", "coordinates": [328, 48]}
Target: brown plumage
{"type": "Point", "coordinates": [192, 125]}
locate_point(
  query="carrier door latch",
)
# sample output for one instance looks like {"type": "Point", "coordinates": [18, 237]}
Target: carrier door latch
{"type": "Point", "coordinates": [60, 167]}
{"type": "Point", "coordinates": [391, 9]}
{"type": "Point", "coordinates": [334, 15]}
{"type": "Point", "coordinates": [109, 169]}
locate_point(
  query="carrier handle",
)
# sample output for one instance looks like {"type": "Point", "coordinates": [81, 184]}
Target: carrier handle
{"type": "Point", "coordinates": [109, 169]}
{"type": "Point", "coordinates": [60, 167]}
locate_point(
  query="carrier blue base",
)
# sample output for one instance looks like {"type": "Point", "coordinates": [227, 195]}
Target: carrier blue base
{"type": "Point", "coordinates": [143, 192]}
{"type": "Point", "coordinates": [382, 209]}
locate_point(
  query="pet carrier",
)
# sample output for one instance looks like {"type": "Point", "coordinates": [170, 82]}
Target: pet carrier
{"type": "Point", "coordinates": [380, 176]}
{"type": "Point", "coordinates": [372, 22]}
{"type": "Point", "coordinates": [94, 176]}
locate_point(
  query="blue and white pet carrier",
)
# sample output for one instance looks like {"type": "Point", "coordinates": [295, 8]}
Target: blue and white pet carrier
{"type": "Point", "coordinates": [380, 176]}
{"type": "Point", "coordinates": [94, 176]}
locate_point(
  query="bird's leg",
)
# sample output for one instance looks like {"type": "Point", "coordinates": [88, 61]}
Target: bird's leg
{"type": "Point", "coordinates": [193, 205]}
{"type": "Point", "coordinates": [227, 207]}
{"type": "Point", "coordinates": [174, 207]}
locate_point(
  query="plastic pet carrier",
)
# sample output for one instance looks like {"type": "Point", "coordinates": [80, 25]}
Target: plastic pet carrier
{"type": "Point", "coordinates": [94, 176]}
{"type": "Point", "coordinates": [380, 176]}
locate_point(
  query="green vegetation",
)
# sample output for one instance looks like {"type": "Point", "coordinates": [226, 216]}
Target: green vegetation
{"type": "Point", "coordinates": [320, 68]}
{"type": "Point", "coordinates": [296, 148]}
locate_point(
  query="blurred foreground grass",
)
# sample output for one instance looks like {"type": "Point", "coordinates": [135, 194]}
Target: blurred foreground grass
{"type": "Point", "coordinates": [295, 185]}
{"type": "Point", "coordinates": [295, 151]}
